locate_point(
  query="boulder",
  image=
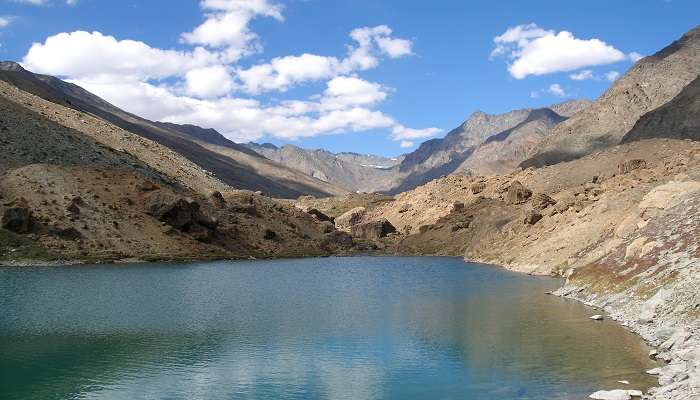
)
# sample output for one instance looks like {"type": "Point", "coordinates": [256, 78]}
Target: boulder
{"type": "Point", "coordinates": [373, 229]}
{"type": "Point", "coordinates": [478, 187]}
{"type": "Point", "coordinates": [532, 217]}
{"type": "Point", "coordinates": [596, 317]}
{"type": "Point", "coordinates": [541, 201]}
{"type": "Point", "coordinates": [350, 218]}
{"type": "Point", "coordinates": [517, 193]}
{"type": "Point", "coordinates": [630, 165]}
{"type": "Point", "coordinates": [338, 238]}
{"type": "Point", "coordinates": [617, 394]}
{"type": "Point", "coordinates": [318, 215]}
{"type": "Point", "coordinates": [217, 199]}
{"type": "Point", "coordinates": [404, 208]}
{"type": "Point", "coordinates": [457, 206]}
{"type": "Point", "coordinates": [181, 213]}
{"type": "Point", "coordinates": [18, 219]}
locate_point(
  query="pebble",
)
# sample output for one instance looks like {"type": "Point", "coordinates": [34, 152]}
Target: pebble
{"type": "Point", "coordinates": [597, 317]}
{"type": "Point", "coordinates": [617, 394]}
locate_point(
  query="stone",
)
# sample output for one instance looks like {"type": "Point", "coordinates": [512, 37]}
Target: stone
{"type": "Point", "coordinates": [596, 317]}
{"type": "Point", "coordinates": [338, 238]}
{"type": "Point", "coordinates": [217, 199]}
{"type": "Point", "coordinates": [270, 235]}
{"type": "Point", "coordinates": [478, 187]}
{"type": "Point", "coordinates": [350, 218]}
{"type": "Point", "coordinates": [630, 165]}
{"type": "Point", "coordinates": [457, 206]}
{"type": "Point", "coordinates": [373, 229]}
{"type": "Point", "coordinates": [617, 394]}
{"type": "Point", "coordinates": [18, 220]}
{"type": "Point", "coordinates": [532, 217]}
{"type": "Point", "coordinates": [318, 215]}
{"type": "Point", "coordinates": [180, 213]}
{"type": "Point", "coordinates": [405, 208]}
{"type": "Point", "coordinates": [517, 193]}
{"type": "Point", "coordinates": [669, 195]}
{"type": "Point", "coordinates": [541, 201]}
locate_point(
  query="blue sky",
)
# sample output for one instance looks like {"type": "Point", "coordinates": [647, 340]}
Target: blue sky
{"type": "Point", "coordinates": [412, 70]}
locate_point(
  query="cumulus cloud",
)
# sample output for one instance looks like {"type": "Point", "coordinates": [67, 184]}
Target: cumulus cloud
{"type": "Point", "coordinates": [556, 90]}
{"type": "Point", "coordinates": [536, 51]}
{"type": "Point", "coordinates": [94, 56]}
{"type": "Point", "coordinates": [282, 73]}
{"type": "Point", "coordinates": [634, 56]}
{"type": "Point", "coordinates": [400, 132]}
{"type": "Point", "coordinates": [406, 144]}
{"type": "Point", "coordinates": [589, 75]}
{"type": "Point", "coordinates": [226, 26]}
{"type": "Point", "coordinates": [582, 75]}
{"type": "Point", "coordinates": [612, 76]}
{"type": "Point", "coordinates": [202, 85]}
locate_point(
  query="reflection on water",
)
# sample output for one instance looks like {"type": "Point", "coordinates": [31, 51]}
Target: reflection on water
{"type": "Point", "coordinates": [335, 328]}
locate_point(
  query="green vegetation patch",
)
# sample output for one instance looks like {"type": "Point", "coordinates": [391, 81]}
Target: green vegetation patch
{"type": "Point", "coordinates": [17, 247]}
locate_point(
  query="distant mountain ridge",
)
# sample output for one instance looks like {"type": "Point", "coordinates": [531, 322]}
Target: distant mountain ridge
{"type": "Point", "coordinates": [465, 149]}
{"type": "Point", "coordinates": [352, 171]}
{"type": "Point", "coordinates": [232, 163]}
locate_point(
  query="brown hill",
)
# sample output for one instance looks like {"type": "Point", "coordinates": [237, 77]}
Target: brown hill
{"type": "Point", "coordinates": [678, 119]}
{"type": "Point", "coordinates": [229, 162]}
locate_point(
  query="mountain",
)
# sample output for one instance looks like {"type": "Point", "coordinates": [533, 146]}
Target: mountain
{"type": "Point", "coordinates": [677, 119]}
{"type": "Point", "coordinates": [650, 83]}
{"type": "Point", "coordinates": [231, 163]}
{"type": "Point", "coordinates": [502, 152]}
{"type": "Point", "coordinates": [76, 187]}
{"type": "Point", "coordinates": [350, 171]}
{"type": "Point", "coordinates": [438, 157]}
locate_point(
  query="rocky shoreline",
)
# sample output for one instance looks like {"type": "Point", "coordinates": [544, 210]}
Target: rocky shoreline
{"type": "Point", "coordinates": [675, 343]}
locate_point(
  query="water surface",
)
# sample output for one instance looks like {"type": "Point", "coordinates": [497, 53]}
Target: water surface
{"type": "Point", "coordinates": [327, 328]}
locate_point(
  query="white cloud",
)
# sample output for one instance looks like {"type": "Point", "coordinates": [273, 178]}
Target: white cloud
{"type": "Point", "coordinates": [282, 73]}
{"type": "Point", "coordinates": [5, 21]}
{"type": "Point", "coordinates": [208, 82]}
{"type": "Point", "coordinates": [612, 76]}
{"type": "Point", "coordinates": [198, 85]}
{"type": "Point", "coordinates": [582, 75]}
{"type": "Point", "coordinates": [535, 94]}
{"type": "Point", "coordinates": [400, 132]}
{"type": "Point", "coordinates": [44, 2]}
{"type": "Point", "coordinates": [94, 56]}
{"type": "Point", "coordinates": [406, 144]}
{"type": "Point", "coordinates": [344, 91]}
{"type": "Point", "coordinates": [535, 51]}
{"type": "Point", "coordinates": [556, 90]}
{"type": "Point", "coordinates": [226, 26]}
{"type": "Point", "coordinates": [634, 56]}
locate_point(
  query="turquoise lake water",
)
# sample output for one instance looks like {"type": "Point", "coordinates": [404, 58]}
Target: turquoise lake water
{"type": "Point", "coordinates": [322, 328]}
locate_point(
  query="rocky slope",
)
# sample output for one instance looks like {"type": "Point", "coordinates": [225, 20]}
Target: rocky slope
{"type": "Point", "coordinates": [75, 187]}
{"type": "Point", "coordinates": [650, 83]}
{"type": "Point", "coordinates": [229, 162]}
{"type": "Point", "coordinates": [678, 119]}
{"type": "Point", "coordinates": [351, 171]}
{"type": "Point", "coordinates": [504, 151]}
{"type": "Point", "coordinates": [439, 157]}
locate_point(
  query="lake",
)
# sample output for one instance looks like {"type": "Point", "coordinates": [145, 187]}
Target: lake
{"type": "Point", "coordinates": [321, 328]}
